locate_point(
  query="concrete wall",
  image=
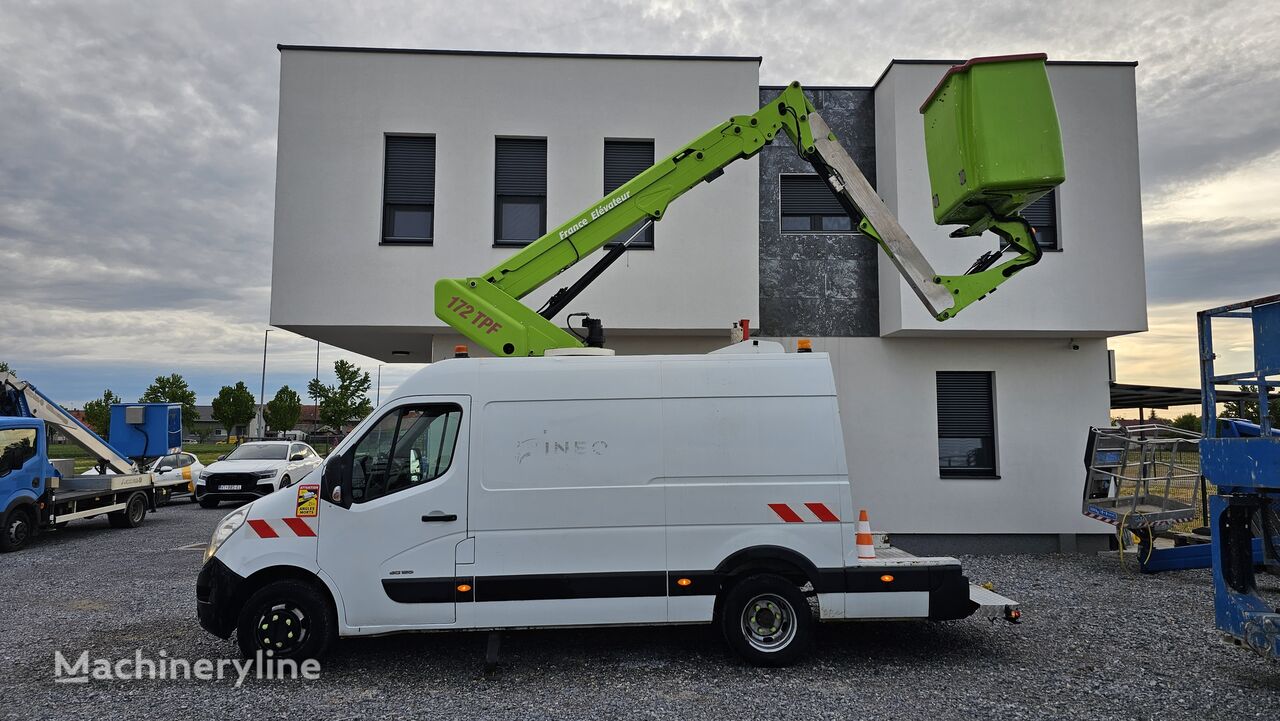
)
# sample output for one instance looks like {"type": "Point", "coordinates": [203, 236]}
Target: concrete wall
{"type": "Point", "coordinates": [329, 270]}
{"type": "Point", "coordinates": [1046, 395]}
{"type": "Point", "coordinates": [1096, 284]}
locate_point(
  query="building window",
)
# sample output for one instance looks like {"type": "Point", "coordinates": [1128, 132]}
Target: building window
{"type": "Point", "coordinates": [409, 189]}
{"type": "Point", "coordinates": [809, 206]}
{"type": "Point", "coordinates": [966, 425]}
{"type": "Point", "coordinates": [520, 191]}
{"type": "Point", "coordinates": [624, 160]}
{"type": "Point", "coordinates": [1043, 217]}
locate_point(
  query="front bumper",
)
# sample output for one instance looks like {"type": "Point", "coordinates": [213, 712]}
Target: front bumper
{"type": "Point", "coordinates": [217, 590]}
{"type": "Point", "coordinates": [236, 494]}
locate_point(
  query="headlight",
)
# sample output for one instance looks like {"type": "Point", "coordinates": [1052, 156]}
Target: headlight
{"type": "Point", "coordinates": [225, 528]}
{"type": "Point", "coordinates": [204, 475]}
{"type": "Point", "coordinates": [264, 474]}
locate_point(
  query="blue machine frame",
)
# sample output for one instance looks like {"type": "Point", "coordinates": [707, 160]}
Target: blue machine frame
{"type": "Point", "coordinates": [1244, 464]}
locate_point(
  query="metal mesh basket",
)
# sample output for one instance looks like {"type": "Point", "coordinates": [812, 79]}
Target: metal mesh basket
{"type": "Point", "coordinates": [1142, 477]}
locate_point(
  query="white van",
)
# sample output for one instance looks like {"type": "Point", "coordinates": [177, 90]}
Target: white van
{"type": "Point", "coordinates": [577, 491]}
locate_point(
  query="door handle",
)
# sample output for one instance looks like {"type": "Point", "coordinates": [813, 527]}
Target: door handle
{"type": "Point", "coordinates": [438, 517]}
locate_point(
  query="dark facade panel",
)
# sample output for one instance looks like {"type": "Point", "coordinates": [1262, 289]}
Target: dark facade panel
{"type": "Point", "coordinates": [813, 283]}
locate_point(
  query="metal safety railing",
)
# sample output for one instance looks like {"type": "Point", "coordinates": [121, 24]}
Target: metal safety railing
{"type": "Point", "coordinates": [1142, 477]}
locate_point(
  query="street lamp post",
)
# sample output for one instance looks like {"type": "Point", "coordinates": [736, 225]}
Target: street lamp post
{"type": "Point", "coordinates": [378, 401]}
{"type": "Point", "coordinates": [262, 390]}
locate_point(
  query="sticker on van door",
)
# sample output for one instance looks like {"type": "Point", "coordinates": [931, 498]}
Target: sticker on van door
{"type": "Point", "coordinates": [543, 447]}
{"type": "Point", "coordinates": [308, 501]}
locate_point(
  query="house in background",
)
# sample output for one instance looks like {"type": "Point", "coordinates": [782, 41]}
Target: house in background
{"type": "Point", "coordinates": [209, 430]}
{"type": "Point", "coordinates": [961, 436]}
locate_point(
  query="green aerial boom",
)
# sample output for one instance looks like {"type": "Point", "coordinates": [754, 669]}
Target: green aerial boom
{"type": "Point", "coordinates": [993, 148]}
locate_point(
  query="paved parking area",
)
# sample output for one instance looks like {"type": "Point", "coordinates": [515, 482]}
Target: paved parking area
{"type": "Point", "coordinates": [1096, 643]}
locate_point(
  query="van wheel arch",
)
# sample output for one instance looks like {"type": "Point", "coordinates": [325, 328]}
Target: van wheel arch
{"type": "Point", "coordinates": [272, 574]}
{"type": "Point", "coordinates": [747, 562]}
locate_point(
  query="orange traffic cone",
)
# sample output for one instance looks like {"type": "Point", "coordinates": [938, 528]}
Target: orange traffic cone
{"type": "Point", "coordinates": [866, 544]}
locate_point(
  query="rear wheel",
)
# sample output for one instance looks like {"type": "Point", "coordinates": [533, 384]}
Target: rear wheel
{"type": "Point", "coordinates": [766, 620]}
{"type": "Point", "coordinates": [286, 619]}
{"type": "Point", "coordinates": [19, 526]}
{"type": "Point", "coordinates": [207, 502]}
{"type": "Point", "coordinates": [132, 515]}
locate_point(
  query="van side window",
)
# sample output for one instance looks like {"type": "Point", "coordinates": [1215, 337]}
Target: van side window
{"type": "Point", "coordinates": [406, 448]}
{"type": "Point", "coordinates": [17, 446]}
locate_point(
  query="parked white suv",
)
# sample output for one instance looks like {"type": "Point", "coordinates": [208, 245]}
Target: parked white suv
{"type": "Point", "coordinates": [255, 469]}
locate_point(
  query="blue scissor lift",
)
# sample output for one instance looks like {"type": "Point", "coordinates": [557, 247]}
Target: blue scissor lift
{"type": "Point", "coordinates": [1243, 461]}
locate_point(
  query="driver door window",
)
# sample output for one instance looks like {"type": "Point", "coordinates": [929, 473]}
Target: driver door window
{"type": "Point", "coordinates": [17, 446]}
{"type": "Point", "coordinates": [407, 447]}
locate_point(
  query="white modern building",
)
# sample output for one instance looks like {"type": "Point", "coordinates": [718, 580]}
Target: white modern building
{"type": "Point", "coordinates": [398, 167]}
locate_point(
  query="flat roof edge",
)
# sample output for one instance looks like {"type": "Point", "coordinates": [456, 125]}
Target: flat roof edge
{"type": "Point", "coordinates": [922, 61]}
{"type": "Point", "coordinates": [518, 54]}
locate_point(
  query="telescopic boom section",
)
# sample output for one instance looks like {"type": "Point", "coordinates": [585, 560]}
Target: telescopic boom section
{"type": "Point", "coordinates": [487, 308]}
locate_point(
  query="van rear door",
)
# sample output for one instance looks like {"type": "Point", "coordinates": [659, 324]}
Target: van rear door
{"type": "Point", "coordinates": [391, 553]}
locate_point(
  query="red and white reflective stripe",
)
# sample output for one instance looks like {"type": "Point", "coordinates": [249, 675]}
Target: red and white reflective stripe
{"type": "Point", "coordinates": [823, 513]}
{"type": "Point", "coordinates": [785, 513]}
{"type": "Point", "coordinates": [298, 526]}
{"type": "Point", "coordinates": [819, 510]}
{"type": "Point", "coordinates": [262, 528]}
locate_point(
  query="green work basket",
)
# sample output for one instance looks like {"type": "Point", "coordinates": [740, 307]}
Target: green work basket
{"type": "Point", "coordinates": [991, 136]}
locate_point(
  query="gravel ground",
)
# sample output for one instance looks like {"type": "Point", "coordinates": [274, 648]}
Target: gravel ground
{"type": "Point", "coordinates": [1095, 643]}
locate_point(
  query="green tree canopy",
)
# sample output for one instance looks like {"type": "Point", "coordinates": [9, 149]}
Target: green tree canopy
{"type": "Point", "coordinates": [4, 367]}
{"type": "Point", "coordinates": [234, 406]}
{"type": "Point", "coordinates": [345, 403]}
{"type": "Point", "coordinates": [97, 412]}
{"type": "Point", "coordinates": [1187, 422]}
{"type": "Point", "coordinates": [283, 411]}
{"type": "Point", "coordinates": [1248, 409]}
{"type": "Point", "coordinates": [173, 388]}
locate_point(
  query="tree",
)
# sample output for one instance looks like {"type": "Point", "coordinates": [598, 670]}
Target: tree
{"type": "Point", "coordinates": [1248, 409]}
{"type": "Point", "coordinates": [1187, 422]}
{"type": "Point", "coordinates": [173, 388]}
{"type": "Point", "coordinates": [234, 406]}
{"type": "Point", "coordinates": [283, 411]}
{"type": "Point", "coordinates": [97, 413]}
{"type": "Point", "coordinates": [4, 367]}
{"type": "Point", "coordinates": [348, 401]}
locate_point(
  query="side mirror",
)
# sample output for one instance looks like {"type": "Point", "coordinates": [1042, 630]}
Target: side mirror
{"type": "Point", "coordinates": [164, 469]}
{"type": "Point", "coordinates": [335, 483]}
{"type": "Point", "coordinates": [298, 456]}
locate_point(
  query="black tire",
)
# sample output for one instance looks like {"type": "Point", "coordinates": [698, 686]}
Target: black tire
{"type": "Point", "coordinates": [766, 620]}
{"type": "Point", "coordinates": [290, 618]}
{"type": "Point", "coordinates": [133, 514]}
{"type": "Point", "coordinates": [19, 527]}
{"type": "Point", "coordinates": [285, 482]}
{"type": "Point", "coordinates": [207, 502]}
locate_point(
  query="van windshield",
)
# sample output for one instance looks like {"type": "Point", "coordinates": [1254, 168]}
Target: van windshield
{"type": "Point", "coordinates": [259, 452]}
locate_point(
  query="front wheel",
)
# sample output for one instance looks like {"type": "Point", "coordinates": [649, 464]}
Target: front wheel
{"type": "Point", "coordinates": [19, 526]}
{"type": "Point", "coordinates": [286, 619]}
{"type": "Point", "coordinates": [766, 620]}
{"type": "Point", "coordinates": [285, 482]}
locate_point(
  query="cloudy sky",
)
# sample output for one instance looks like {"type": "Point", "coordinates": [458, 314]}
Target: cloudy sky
{"type": "Point", "coordinates": [137, 151]}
